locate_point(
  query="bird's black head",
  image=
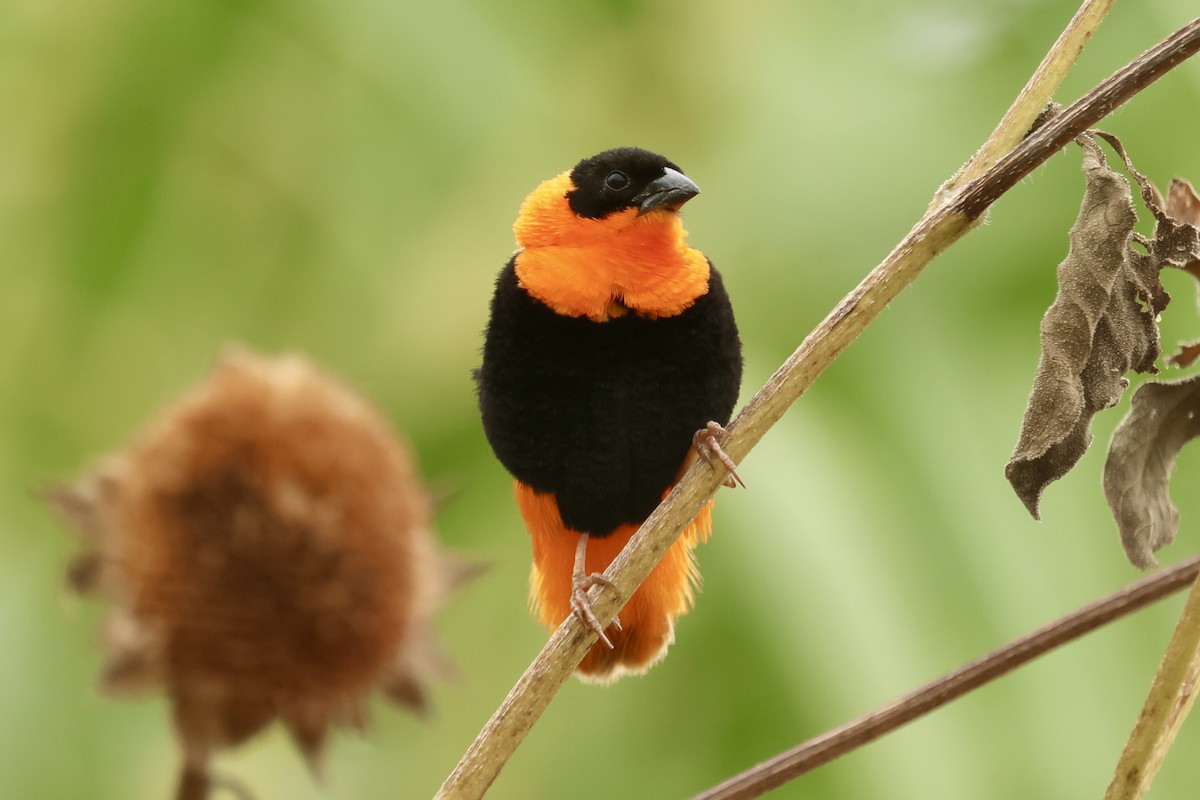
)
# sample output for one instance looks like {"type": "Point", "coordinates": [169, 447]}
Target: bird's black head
{"type": "Point", "coordinates": [627, 177]}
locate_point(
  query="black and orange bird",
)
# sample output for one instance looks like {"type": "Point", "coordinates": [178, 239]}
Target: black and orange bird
{"type": "Point", "coordinates": [610, 360]}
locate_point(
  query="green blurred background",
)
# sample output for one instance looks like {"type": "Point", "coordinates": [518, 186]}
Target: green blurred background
{"type": "Point", "coordinates": [341, 178]}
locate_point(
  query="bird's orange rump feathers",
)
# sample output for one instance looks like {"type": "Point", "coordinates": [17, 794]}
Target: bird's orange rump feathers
{"type": "Point", "coordinates": [647, 620]}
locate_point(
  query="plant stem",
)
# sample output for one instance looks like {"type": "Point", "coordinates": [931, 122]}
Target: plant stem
{"type": "Point", "coordinates": [193, 784]}
{"type": "Point", "coordinates": [1036, 94]}
{"type": "Point", "coordinates": [533, 692]}
{"type": "Point", "coordinates": [842, 740]}
{"type": "Point", "coordinates": [1167, 705]}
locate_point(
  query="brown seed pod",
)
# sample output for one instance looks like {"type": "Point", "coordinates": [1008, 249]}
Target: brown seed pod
{"type": "Point", "coordinates": [267, 547]}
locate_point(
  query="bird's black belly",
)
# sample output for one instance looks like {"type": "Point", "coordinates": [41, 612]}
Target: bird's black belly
{"type": "Point", "coordinates": [602, 414]}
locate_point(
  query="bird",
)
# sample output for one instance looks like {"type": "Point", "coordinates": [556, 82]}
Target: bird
{"type": "Point", "coordinates": [611, 360]}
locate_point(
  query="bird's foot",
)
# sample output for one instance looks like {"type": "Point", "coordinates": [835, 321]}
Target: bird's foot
{"type": "Point", "coordinates": [581, 606]}
{"type": "Point", "coordinates": [581, 581]}
{"type": "Point", "coordinates": [707, 442]}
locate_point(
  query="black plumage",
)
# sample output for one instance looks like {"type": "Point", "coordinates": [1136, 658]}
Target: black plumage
{"type": "Point", "coordinates": [602, 414]}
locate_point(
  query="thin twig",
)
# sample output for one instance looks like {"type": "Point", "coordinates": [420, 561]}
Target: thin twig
{"type": "Point", "coordinates": [1170, 699]}
{"type": "Point", "coordinates": [1036, 94]}
{"type": "Point", "coordinates": [533, 692]}
{"type": "Point", "coordinates": [840, 741]}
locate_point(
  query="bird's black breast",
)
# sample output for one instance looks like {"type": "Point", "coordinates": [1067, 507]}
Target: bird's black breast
{"type": "Point", "coordinates": [602, 413]}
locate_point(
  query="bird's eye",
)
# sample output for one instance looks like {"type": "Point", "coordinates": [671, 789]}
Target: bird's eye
{"type": "Point", "coordinates": [616, 180]}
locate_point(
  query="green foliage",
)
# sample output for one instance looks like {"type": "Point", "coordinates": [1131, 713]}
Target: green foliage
{"type": "Point", "coordinates": [341, 178]}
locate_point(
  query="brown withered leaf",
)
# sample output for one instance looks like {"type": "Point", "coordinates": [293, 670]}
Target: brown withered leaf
{"type": "Point", "coordinates": [1163, 417]}
{"type": "Point", "coordinates": [1182, 202]}
{"type": "Point", "coordinates": [1176, 241]}
{"type": "Point", "coordinates": [1186, 354]}
{"type": "Point", "coordinates": [1183, 205]}
{"type": "Point", "coordinates": [1102, 324]}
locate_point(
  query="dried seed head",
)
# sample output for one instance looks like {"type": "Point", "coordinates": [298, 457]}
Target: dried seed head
{"type": "Point", "coordinates": [266, 542]}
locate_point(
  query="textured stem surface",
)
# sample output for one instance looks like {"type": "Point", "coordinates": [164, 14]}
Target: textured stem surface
{"type": "Point", "coordinates": [1167, 705]}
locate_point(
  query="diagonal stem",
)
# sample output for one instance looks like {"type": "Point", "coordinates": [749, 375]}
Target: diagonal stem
{"type": "Point", "coordinates": [1035, 95]}
{"type": "Point", "coordinates": [838, 742]}
{"type": "Point", "coordinates": [1170, 699]}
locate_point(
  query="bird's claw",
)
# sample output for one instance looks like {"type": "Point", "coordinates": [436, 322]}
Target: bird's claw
{"type": "Point", "coordinates": [707, 442]}
{"type": "Point", "coordinates": [581, 606]}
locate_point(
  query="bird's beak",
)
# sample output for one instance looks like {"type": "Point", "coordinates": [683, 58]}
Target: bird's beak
{"type": "Point", "coordinates": [670, 191]}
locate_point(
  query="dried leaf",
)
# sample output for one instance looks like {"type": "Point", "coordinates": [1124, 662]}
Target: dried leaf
{"type": "Point", "coordinates": [1142, 453]}
{"type": "Point", "coordinates": [1183, 205]}
{"type": "Point", "coordinates": [1101, 325]}
{"type": "Point", "coordinates": [1176, 241]}
{"type": "Point", "coordinates": [1182, 202]}
{"type": "Point", "coordinates": [1163, 417]}
{"type": "Point", "coordinates": [1185, 356]}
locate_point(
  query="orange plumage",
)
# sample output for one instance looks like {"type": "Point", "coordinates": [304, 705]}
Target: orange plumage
{"type": "Point", "coordinates": [647, 620]}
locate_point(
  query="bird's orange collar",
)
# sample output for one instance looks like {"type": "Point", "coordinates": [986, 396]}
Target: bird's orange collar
{"type": "Point", "coordinates": [601, 268]}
